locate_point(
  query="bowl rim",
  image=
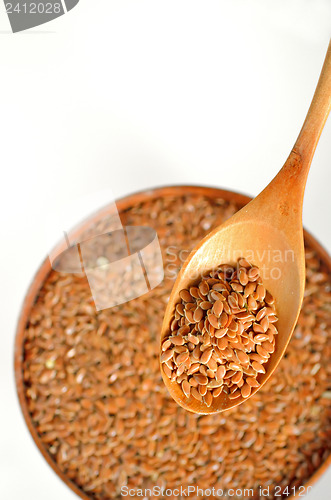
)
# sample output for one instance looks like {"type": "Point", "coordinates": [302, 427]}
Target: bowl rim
{"type": "Point", "coordinates": [44, 269]}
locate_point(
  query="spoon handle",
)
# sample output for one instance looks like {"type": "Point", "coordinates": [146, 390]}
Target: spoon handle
{"type": "Point", "coordinates": [284, 194]}
{"type": "Point", "coordinates": [317, 114]}
{"type": "Point", "coordinates": [296, 168]}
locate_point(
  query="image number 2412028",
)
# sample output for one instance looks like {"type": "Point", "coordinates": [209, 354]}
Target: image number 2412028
{"type": "Point", "coordinates": [24, 14]}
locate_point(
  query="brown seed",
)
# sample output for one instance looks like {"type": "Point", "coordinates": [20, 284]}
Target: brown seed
{"type": "Point", "coordinates": [180, 370]}
{"type": "Point", "coordinates": [242, 357]}
{"type": "Point", "coordinates": [193, 369]}
{"type": "Point", "coordinates": [226, 308]}
{"type": "Point", "coordinates": [232, 302]}
{"type": "Point", "coordinates": [180, 378]}
{"type": "Point", "coordinates": [190, 306]}
{"type": "Point", "coordinates": [235, 394]}
{"type": "Point", "coordinates": [262, 352]}
{"type": "Point", "coordinates": [166, 344]}
{"type": "Point", "coordinates": [174, 325]}
{"type": "Point", "coordinates": [220, 372]}
{"type": "Point", "coordinates": [186, 388]}
{"type": "Point", "coordinates": [253, 273]}
{"type": "Point", "coordinates": [237, 377]}
{"type": "Point", "coordinates": [220, 333]}
{"type": "Point", "coordinates": [196, 394]}
{"type": "Point", "coordinates": [220, 287]}
{"type": "Point", "coordinates": [260, 337]}
{"type": "Point", "coordinates": [249, 289]}
{"type": "Point", "coordinates": [181, 358]}
{"type": "Point", "coordinates": [206, 340]}
{"type": "Point", "coordinates": [251, 302]}
{"type": "Point", "coordinates": [218, 308]}
{"type": "Point", "coordinates": [203, 370]}
{"type": "Point", "coordinates": [261, 313]}
{"type": "Point", "coordinates": [206, 356]}
{"type": "Point", "coordinates": [232, 335]}
{"type": "Point", "coordinates": [186, 296]}
{"type": "Point", "coordinates": [252, 382]}
{"type": "Point", "coordinates": [212, 384]}
{"type": "Point", "coordinates": [237, 345]}
{"type": "Point", "coordinates": [246, 390]}
{"type": "Point", "coordinates": [177, 340]}
{"type": "Point", "coordinates": [193, 339]}
{"type": "Point", "coordinates": [244, 263]}
{"type": "Point", "coordinates": [204, 287]}
{"type": "Point", "coordinates": [194, 291]}
{"type": "Point", "coordinates": [183, 330]}
{"type": "Point", "coordinates": [223, 319]}
{"type": "Point", "coordinates": [256, 357]}
{"type": "Point", "coordinates": [198, 315]}
{"type": "Point", "coordinates": [205, 305]}
{"type": "Point", "coordinates": [237, 287]}
{"type": "Point", "coordinates": [166, 355]}
{"type": "Point", "coordinates": [242, 275]}
{"type": "Point", "coordinates": [265, 323]}
{"type": "Point", "coordinates": [178, 349]}
{"type": "Point", "coordinates": [193, 382]}
{"type": "Point", "coordinates": [268, 347]}
{"type": "Point", "coordinates": [170, 364]}
{"type": "Point", "coordinates": [208, 398]}
{"type": "Point", "coordinates": [269, 298]}
{"type": "Point", "coordinates": [196, 353]}
{"type": "Point", "coordinates": [201, 379]}
{"type": "Point", "coordinates": [167, 370]}
{"type": "Point", "coordinates": [217, 391]}
{"type": "Point", "coordinates": [258, 367]}
{"type": "Point", "coordinates": [229, 373]}
{"type": "Point", "coordinates": [228, 352]}
{"type": "Point", "coordinates": [212, 365]}
{"type": "Point", "coordinates": [213, 320]}
{"type": "Point", "coordinates": [261, 291]}
{"type": "Point", "coordinates": [180, 309]}
{"type": "Point", "coordinates": [189, 316]}
{"type": "Point", "coordinates": [241, 302]}
{"type": "Point", "coordinates": [258, 328]}
{"type": "Point", "coordinates": [233, 326]}
{"type": "Point", "coordinates": [244, 315]}
{"type": "Point", "coordinates": [235, 367]}
{"type": "Point", "coordinates": [202, 389]}
{"type": "Point", "coordinates": [222, 343]}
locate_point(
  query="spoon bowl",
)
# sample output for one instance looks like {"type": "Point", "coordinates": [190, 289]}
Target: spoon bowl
{"type": "Point", "coordinates": [281, 272]}
{"type": "Point", "coordinates": [267, 232]}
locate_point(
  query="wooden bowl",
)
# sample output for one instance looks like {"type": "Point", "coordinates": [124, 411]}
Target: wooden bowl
{"type": "Point", "coordinates": [45, 268]}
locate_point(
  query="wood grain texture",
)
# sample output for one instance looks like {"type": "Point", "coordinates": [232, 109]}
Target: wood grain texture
{"type": "Point", "coordinates": [271, 220]}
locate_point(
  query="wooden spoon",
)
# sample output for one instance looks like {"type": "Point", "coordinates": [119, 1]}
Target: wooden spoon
{"type": "Point", "coordinates": [268, 232]}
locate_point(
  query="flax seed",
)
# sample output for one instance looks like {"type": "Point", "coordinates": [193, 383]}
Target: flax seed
{"type": "Point", "coordinates": [128, 429]}
{"type": "Point", "coordinates": [258, 367]}
{"type": "Point", "coordinates": [246, 390]}
{"type": "Point", "coordinates": [208, 398]}
{"type": "Point", "coordinates": [186, 388]}
{"type": "Point", "coordinates": [166, 356]}
{"type": "Point", "coordinates": [177, 340]}
{"type": "Point", "coordinates": [196, 394]}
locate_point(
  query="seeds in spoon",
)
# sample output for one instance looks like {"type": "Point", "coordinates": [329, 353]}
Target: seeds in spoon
{"type": "Point", "coordinates": [224, 334]}
{"type": "Point", "coordinates": [186, 388]}
{"type": "Point", "coordinates": [166, 356]}
{"type": "Point", "coordinates": [246, 390]}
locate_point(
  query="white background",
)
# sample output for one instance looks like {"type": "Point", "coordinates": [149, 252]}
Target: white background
{"type": "Point", "coordinates": [132, 94]}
